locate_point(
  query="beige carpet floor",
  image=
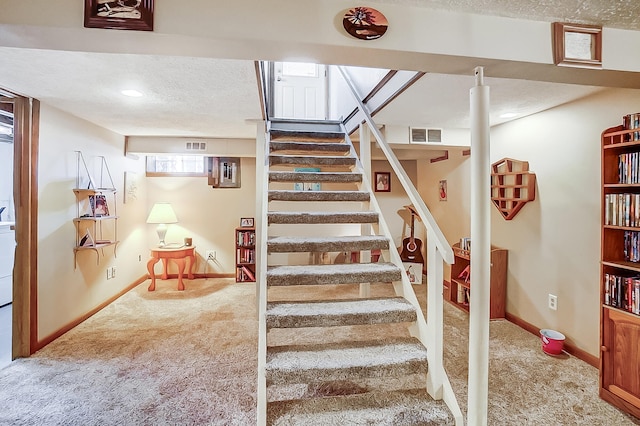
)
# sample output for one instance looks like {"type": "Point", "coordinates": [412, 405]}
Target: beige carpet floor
{"type": "Point", "coordinates": [189, 358]}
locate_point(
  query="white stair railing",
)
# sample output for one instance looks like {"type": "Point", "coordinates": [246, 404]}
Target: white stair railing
{"type": "Point", "coordinates": [438, 251]}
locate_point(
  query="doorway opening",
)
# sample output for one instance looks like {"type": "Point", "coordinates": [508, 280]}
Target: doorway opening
{"type": "Point", "coordinates": [7, 228]}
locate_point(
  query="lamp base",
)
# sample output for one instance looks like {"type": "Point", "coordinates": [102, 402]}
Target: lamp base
{"type": "Point", "coordinates": [162, 231]}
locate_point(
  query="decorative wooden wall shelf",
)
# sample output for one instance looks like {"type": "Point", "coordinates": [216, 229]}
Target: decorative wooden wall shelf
{"type": "Point", "coordinates": [512, 186]}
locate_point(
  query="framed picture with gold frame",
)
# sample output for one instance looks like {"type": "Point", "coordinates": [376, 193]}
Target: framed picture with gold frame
{"type": "Point", "coordinates": [576, 45]}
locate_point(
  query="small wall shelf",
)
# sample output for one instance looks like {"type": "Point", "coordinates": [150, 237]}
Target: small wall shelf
{"type": "Point", "coordinates": [96, 220]}
{"type": "Point", "coordinates": [512, 186]}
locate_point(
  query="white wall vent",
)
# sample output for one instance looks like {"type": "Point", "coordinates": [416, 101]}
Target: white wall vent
{"type": "Point", "coordinates": [434, 135]}
{"type": "Point", "coordinates": [417, 135]}
{"type": "Point", "coordinates": [424, 135]}
{"type": "Point", "coordinates": [196, 146]}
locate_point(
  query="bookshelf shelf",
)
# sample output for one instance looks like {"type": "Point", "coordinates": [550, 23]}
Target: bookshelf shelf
{"type": "Point", "coordinates": [245, 255]}
{"type": "Point", "coordinates": [620, 266]}
{"type": "Point", "coordinates": [460, 288]}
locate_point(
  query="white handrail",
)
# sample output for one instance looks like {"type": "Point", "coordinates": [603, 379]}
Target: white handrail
{"type": "Point", "coordinates": [421, 208]}
{"type": "Point", "coordinates": [429, 332]}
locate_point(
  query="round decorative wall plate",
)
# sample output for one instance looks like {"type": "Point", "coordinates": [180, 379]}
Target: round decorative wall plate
{"type": "Point", "coordinates": [365, 23]}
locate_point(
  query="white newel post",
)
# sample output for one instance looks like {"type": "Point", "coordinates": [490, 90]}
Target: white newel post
{"type": "Point", "coordinates": [480, 254]}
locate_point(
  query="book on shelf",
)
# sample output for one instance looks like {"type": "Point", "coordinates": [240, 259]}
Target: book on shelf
{"type": "Point", "coordinates": [622, 292]}
{"type": "Point", "coordinates": [248, 273]}
{"type": "Point", "coordinates": [87, 240]}
{"type": "Point", "coordinates": [99, 205]}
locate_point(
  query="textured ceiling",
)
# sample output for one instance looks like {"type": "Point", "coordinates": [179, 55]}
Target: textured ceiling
{"type": "Point", "coordinates": [623, 14]}
{"type": "Point", "coordinates": [183, 96]}
{"type": "Point", "coordinates": [205, 97]}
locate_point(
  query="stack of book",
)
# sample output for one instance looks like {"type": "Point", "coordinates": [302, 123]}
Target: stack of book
{"type": "Point", "coordinates": [622, 210]}
{"type": "Point", "coordinates": [622, 292]}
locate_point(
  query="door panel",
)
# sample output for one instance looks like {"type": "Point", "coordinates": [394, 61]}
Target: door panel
{"type": "Point", "coordinates": [300, 91]}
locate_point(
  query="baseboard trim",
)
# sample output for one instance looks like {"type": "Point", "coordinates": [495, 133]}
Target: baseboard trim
{"type": "Point", "coordinates": [197, 275]}
{"type": "Point", "coordinates": [571, 349]}
{"type": "Point", "coordinates": [50, 338]}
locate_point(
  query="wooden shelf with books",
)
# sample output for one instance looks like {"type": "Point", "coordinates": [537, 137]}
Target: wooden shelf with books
{"type": "Point", "coordinates": [245, 254]}
{"type": "Point", "coordinates": [460, 288]}
{"type": "Point", "coordinates": [620, 266]}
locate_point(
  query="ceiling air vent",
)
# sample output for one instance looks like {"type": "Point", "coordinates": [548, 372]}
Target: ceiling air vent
{"type": "Point", "coordinates": [196, 146]}
{"type": "Point", "coordinates": [418, 135]}
{"type": "Point", "coordinates": [424, 135]}
{"type": "Point", "coordinates": [434, 135]}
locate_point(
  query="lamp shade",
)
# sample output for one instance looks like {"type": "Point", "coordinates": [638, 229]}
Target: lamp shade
{"type": "Point", "coordinates": [162, 213]}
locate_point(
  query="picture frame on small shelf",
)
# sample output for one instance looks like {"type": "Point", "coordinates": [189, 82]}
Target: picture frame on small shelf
{"type": "Point", "coordinates": [246, 222]}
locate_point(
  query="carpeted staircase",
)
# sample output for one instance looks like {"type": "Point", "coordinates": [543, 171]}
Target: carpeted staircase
{"type": "Point", "coordinates": [347, 382]}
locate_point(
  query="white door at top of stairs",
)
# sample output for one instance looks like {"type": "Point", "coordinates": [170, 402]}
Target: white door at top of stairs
{"type": "Point", "coordinates": [300, 91]}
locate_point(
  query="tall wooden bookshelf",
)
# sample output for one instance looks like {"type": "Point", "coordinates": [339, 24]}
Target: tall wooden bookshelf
{"type": "Point", "coordinates": [245, 255]}
{"type": "Point", "coordinates": [460, 283]}
{"type": "Point", "coordinates": [620, 266]}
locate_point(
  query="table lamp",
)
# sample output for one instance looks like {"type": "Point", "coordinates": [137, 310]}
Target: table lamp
{"type": "Point", "coordinates": [162, 214]}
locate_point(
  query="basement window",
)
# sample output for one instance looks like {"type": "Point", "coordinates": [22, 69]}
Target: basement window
{"type": "Point", "coordinates": [176, 165]}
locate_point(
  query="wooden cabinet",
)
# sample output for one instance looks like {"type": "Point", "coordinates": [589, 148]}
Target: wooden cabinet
{"type": "Point", "coordinates": [620, 266]}
{"type": "Point", "coordinates": [245, 255]}
{"type": "Point", "coordinates": [460, 283]}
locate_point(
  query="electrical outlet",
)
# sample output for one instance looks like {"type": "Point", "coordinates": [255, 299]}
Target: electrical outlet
{"type": "Point", "coordinates": [113, 272]}
{"type": "Point", "coordinates": [108, 273]}
{"type": "Point", "coordinates": [553, 302]}
{"type": "Point", "coordinates": [139, 258]}
{"type": "Point", "coordinates": [211, 255]}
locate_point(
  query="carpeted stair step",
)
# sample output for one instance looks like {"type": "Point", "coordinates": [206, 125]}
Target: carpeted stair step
{"type": "Point", "coordinates": [299, 160]}
{"type": "Point", "coordinates": [292, 127]}
{"type": "Point", "coordinates": [398, 408]}
{"type": "Point", "coordinates": [307, 147]}
{"type": "Point", "coordinates": [333, 177]}
{"type": "Point", "coordinates": [287, 195]}
{"type": "Point", "coordinates": [331, 313]}
{"type": "Point", "coordinates": [289, 275]}
{"type": "Point", "coordinates": [326, 244]}
{"type": "Point", "coordinates": [322, 217]}
{"type": "Point", "coordinates": [345, 361]}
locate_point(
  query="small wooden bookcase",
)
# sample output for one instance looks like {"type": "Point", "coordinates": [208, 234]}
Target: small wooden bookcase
{"type": "Point", "coordinates": [460, 282]}
{"type": "Point", "coordinates": [245, 255]}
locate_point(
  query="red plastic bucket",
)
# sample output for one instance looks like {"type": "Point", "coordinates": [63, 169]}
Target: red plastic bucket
{"type": "Point", "coordinates": [552, 341]}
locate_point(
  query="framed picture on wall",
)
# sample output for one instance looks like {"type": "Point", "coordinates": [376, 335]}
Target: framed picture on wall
{"type": "Point", "coordinates": [119, 15]}
{"type": "Point", "coordinates": [246, 222]}
{"type": "Point", "coordinates": [224, 172]}
{"type": "Point", "coordinates": [442, 190]}
{"type": "Point", "coordinates": [382, 182]}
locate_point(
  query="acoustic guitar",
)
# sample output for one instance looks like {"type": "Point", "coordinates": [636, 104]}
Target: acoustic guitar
{"type": "Point", "coordinates": [412, 247]}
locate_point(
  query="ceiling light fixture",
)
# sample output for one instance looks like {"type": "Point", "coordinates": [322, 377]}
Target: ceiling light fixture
{"type": "Point", "coordinates": [509, 115]}
{"type": "Point", "coordinates": [132, 93]}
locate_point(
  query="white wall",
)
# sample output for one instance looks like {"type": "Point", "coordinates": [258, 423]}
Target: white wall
{"type": "Point", "coordinates": [554, 241]}
{"type": "Point", "coordinates": [65, 293]}
{"type": "Point", "coordinates": [207, 215]}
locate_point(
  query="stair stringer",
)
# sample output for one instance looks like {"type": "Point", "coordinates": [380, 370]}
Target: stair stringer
{"type": "Point", "coordinates": [262, 190]}
{"type": "Point", "coordinates": [430, 335]}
